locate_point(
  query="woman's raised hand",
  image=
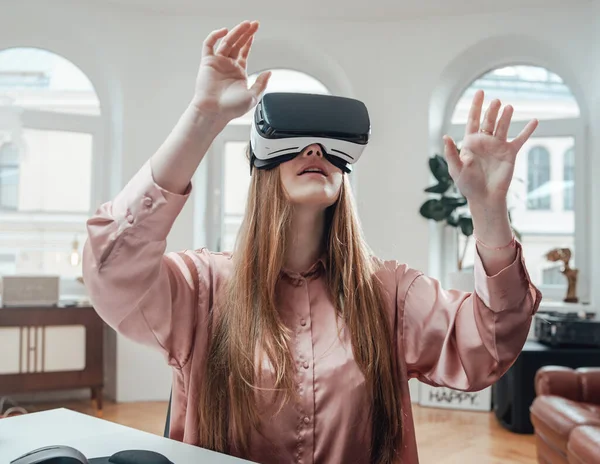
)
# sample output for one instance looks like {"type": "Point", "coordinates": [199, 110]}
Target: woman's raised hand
{"type": "Point", "coordinates": [222, 84]}
{"type": "Point", "coordinates": [484, 168]}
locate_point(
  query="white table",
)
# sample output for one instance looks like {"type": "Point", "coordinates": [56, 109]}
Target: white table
{"type": "Point", "coordinates": [93, 437]}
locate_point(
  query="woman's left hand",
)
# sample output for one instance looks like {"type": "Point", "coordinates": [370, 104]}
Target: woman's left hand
{"type": "Point", "coordinates": [484, 168]}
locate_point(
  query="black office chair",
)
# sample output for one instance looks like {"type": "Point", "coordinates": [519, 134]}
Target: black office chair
{"type": "Point", "coordinates": [168, 423]}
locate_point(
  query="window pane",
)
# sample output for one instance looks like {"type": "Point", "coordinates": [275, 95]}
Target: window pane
{"type": "Point", "coordinates": [538, 178]}
{"type": "Point", "coordinates": [50, 195]}
{"type": "Point", "coordinates": [541, 229]}
{"type": "Point", "coordinates": [9, 187]}
{"type": "Point", "coordinates": [46, 250]}
{"type": "Point", "coordinates": [569, 180]}
{"type": "Point", "coordinates": [37, 79]}
{"type": "Point", "coordinates": [56, 171]}
{"type": "Point", "coordinates": [10, 152]}
{"type": "Point", "coordinates": [285, 80]}
{"type": "Point", "coordinates": [533, 91]}
{"type": "Point", "coordinates": [237, 182]}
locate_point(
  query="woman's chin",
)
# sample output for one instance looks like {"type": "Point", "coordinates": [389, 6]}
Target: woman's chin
{"type": "Point", "coordinates": [312, 199]}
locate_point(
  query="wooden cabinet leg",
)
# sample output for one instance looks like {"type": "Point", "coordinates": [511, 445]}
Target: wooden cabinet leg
{"type": "Point", "coordinates": [97, 400]}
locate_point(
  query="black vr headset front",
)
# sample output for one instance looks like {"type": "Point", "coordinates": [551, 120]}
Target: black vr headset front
{"type": "Point", "coordinates": [285, 124]}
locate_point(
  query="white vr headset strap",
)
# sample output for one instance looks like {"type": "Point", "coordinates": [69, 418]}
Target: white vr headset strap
{"type": "Point", "coordinates": [265, 148]}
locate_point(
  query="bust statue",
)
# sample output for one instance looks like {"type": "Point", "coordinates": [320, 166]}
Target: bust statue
{"type": "Point", "coordinates": [564, 255]}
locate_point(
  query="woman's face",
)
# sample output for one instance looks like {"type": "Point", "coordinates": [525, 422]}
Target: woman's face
{"type": "Point", "coordinates": [309, 179]}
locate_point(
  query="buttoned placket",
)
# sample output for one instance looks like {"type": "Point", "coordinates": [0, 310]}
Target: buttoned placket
{"type": "Point", "coordinates": [304, 374]}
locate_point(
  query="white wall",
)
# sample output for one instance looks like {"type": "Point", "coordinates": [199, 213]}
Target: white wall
{"type": "Point", "coordinates": [144, 67]}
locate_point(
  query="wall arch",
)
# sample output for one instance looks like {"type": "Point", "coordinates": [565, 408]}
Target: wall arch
{"type": "Point", "coordinates": [475, 61]}
{"type": "Point", "coordinates": [89, 59]}
{"type": "Point", "coordinates": [484, 56]}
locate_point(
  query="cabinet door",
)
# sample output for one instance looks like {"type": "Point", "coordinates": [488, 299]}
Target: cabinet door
{"type": "Point", "coordinates": [42, 349]}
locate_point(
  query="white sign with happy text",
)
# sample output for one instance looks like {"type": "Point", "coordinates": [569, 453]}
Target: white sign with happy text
{"type": "Point", "coordinates": [442, 397]}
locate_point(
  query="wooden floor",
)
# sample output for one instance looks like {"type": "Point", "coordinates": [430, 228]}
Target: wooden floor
{"type": "Point", "coordinates": [443, 436]}
{"type": "Point", "coordinates": [460, 437]}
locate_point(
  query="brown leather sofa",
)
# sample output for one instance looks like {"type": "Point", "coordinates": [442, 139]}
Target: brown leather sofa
{"type": "Point", "coordinates": [566, 415]}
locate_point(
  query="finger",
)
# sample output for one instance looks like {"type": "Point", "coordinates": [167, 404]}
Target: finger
{"type": "Point", "coordinates": [244, 52]}
{"type": "Point", "coordinates": [520, 140]}
{"type": "Point", "coordinates": [452, 155]}
{"type": "Point", "coordinates": [243, 40]}
{"type": "Point", "coordinates": [232, 37]}
{"type": "Point", "coordinates": [208, 47]}
{"type": "Point", "coordinates": [504, 123]}
{"type": "Point", "coordinates": [489, 120]}
{"type": "Point", "coordinates": [260, 84]}
{"type": "Point", "coordinates": [475, 113]}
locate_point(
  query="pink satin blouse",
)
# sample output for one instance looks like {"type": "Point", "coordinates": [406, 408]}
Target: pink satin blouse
{"type": "Point", "coordinates": [444, 337]}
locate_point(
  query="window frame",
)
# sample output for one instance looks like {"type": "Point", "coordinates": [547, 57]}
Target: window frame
{"type": "Point", "coordinates": [571, 127]}
{"type": "Point", "coordinates": [3, 167]}
{"type": "Point", "coordinates": [571, 166]}
{"type": "Point", "coordinates": [61, 220]}
{"type": "Point", "coordinates": [532, 152]}
{"type": "Point", "coordinates": [78, 123]}
{"type": "Point", "coordinates": [215, 205]}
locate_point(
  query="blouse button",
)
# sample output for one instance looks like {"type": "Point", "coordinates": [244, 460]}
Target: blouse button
{"type": "Point", "coordinates": [305, 365]}
{"type": "Point", "coordinates": [148, 202]}
{"type": "Point", "coordinates": [130, 218]}
{"type": "Point", "coordinates": [303, 322]}
{"type": "Point", "coordinates": [306, 419]}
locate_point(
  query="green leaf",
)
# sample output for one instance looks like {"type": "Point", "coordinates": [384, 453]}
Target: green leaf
{"type": "Point", "coordinates": [441, 187]}
{"type": "Point", "coordinates": [453, 201]}
{"type": "Point", "coordinates": [466, 225]}
{"type": "Point", "coordinates": [434, 209]}
{"type": "Point", "coordinates": [439, 169]}
{"type": "Point", "coordinates": [452, 220]}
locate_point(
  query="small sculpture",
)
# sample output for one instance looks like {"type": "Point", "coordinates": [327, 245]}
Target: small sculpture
{"type": "Point", "coordinates": [564, 255]}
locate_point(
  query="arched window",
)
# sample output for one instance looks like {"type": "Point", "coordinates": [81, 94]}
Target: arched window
{"type": "Point", "coordinates": [228, 178]}
{"type": "Point", "coordinates": [49, 128]}
{"type": "Point", "coordinates": [539, 184]}
{"type": "Point", "coordinates": [538, 179]}
{"type": "Point", "coordinates": [569, 180]}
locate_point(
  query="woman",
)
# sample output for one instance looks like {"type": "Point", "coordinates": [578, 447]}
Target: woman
{"type": "Point", "coordinates": [299, 346]}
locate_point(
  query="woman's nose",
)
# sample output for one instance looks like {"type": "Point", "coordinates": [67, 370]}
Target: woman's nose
{"type": "Point", "coordinates": [313, 150]}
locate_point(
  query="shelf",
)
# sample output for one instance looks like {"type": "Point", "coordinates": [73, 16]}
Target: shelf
{"type": "Point", "coordinates": [561, 306]}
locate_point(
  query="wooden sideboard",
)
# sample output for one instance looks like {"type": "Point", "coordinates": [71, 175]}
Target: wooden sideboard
{"type": "Point", "coordinates": [31, 375]}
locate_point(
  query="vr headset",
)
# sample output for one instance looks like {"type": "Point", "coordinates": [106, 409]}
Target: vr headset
{"type": "Point", "coordinates": [286, 123]}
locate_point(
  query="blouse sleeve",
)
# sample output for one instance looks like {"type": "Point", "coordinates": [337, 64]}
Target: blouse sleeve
{"type": "Point", "coordinates": [146, 295]}
{"type": "Point", "coordinates": [466, 341]}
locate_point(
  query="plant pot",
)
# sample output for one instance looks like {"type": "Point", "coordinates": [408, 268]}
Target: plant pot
{"type": "Point", "coordinates": [461, 280]}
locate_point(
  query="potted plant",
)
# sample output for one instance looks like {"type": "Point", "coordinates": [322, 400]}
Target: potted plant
{"type": "Point", "coordinates": [450, 206]}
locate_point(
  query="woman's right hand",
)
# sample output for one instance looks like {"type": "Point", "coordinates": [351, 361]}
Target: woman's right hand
{"type": "Point", "coordinates": [222, 84]}
{"type": "Point", "coordinates": [222, 94]}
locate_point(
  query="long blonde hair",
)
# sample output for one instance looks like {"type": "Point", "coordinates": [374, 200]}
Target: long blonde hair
{"type": "Point", "coordinates": [249, 315]}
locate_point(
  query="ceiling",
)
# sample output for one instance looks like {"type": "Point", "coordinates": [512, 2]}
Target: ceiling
{"type": "Point", "coordinates": [335, 9]}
